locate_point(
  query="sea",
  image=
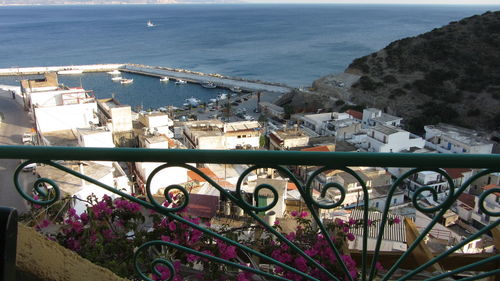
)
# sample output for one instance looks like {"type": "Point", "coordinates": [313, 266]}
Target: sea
{"type": "Point", "coordinates": [292, 44]}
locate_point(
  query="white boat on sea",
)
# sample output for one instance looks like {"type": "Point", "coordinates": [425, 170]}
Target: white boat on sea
{"type": "Point", "coordinates": [208, 85]}
{"type": "Point", "coordinates": [150, 24]}
{"type": "Point", "coordinates": [164, 79]}
{"type": "Point", "coordinates": [194, 102]}
{"type": "Point", "coordinates": [117, 78]}
{"type": "Point", "coordinates": [115, 72]}
{"type": "Point", "coordinates": [236, 89]}
{"type": "Point", "coordinates": [180, 82]}
{"type": "Point", "coordinates": [70, 71]}
{"type": "Point", "coordinates": [222, 96]}
{"type": "Point", "coordinates": [126, 81]}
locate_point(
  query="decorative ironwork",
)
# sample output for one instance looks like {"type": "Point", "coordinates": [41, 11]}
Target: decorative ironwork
{"type": "Point", "coordinates": [279, 162]}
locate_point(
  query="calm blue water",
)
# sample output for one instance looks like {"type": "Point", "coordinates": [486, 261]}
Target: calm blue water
{"type": "Point", "coordinates": [293, 44]}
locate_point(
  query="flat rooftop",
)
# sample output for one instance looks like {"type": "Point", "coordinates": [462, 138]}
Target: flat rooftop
{"type": "Point", "coordinates": [384, 118]}
{"type": "Point", "coordinates": [68, 183]}
{"type": "Point", "coordinates": [463, 135]}
{"type": "Point", "coordinates": [61, 138]}
{"type": "Point", "coordinates": [242, 126]}
{"type": "Point", "coordinates": [288, 134]}
{"type": "Point", "coordinates": [387, 130]}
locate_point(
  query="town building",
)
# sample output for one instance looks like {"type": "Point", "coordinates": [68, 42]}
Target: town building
{"type": "Point", "coordinates": [340, 125]}
{"type": "Point", "coordinates": [117, 117]}
{"type": "Point", "coordinates": [383, 138]}
{"type": "Point", "coordinates": [373, 117]}
{"type": "Point", "coordinates": [491, 203]}
{"type": "Point", "coordinates": [271, 110]}
{"type": "Point", "coordinates": [447, 138]}
{"type": "Point", "coordinates": [287, 139]}
{"type": "Point", "coordinates": [215, 134]}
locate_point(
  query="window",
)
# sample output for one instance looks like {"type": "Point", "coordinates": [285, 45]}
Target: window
{"type": "Point", "coordinates": [376, 204]}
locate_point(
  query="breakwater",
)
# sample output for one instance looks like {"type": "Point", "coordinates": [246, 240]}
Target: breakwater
{"type": "Point", "coordinates": [191, 76]}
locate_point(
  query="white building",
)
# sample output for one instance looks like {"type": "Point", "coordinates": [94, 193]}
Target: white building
{"type": "Point", "coordinates": [453, 139]}
{"type": "Point", "coordinates": [286, 139]}
{"type": "Point", "coordinates": [374, 116]}
{"type": "Point", "coordinates": [491, 203]}
{"type": "Point", "coordinates": [340, 125]}
{"type": "Point", "coordinates": [157, 122]}
{"type": "Point", "coordinates": [215, 134]}
{"type": "Point", "coordinates": [270, 109]}
{"type": "Point", "coordinates": [165, 177]}
{"type": "Point", "coordinates": [382, 138]}
{"type": "Point", "coordinates": [117, 117]}
{"type": "Point", "coordinates": [62, 109]}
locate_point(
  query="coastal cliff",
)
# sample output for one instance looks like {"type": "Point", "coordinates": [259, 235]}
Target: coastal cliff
{"type": "Point", "coordinates": [450, 74]}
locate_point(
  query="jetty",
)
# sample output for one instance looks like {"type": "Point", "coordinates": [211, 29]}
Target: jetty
{"type": "Point", "coordinates": [220, 81]}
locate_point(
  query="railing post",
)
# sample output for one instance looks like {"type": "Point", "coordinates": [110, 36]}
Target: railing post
{"type": "Point", "coordinates": [8, 243]}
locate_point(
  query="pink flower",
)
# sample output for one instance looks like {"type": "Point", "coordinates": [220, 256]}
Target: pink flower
{"type": "Point", "coordinates": [294, 213]}
{"type": "Point", "coordinates": [172, 226]}
{"type": "Point", "coordinates": [304, 214]}
{"type": "Point", "coordinates": [350, 236]}
{"type": "Point", "coordinates": [379, 266]}
{"type": "Point", "coordinates": [84, 218]}
{"type": "Point", "coordinates": [276, 222]}
{"type": "Point", "coordinates": [301, 264]}
{"type": "Point", "coordinates": [192, 258]}
{"type": "Point", "coordinates": [36, 206]}
{"type": "Point", "coordinates": [43, 224]}
{"type": "Point", "coordinates": [396, 220]}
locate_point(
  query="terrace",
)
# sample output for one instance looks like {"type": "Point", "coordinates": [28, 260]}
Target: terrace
{"type": "Point", "coordinates": [417, 262]}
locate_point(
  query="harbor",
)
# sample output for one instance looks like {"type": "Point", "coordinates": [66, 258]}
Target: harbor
{"type": "Point", "coordinates": [219, 81]}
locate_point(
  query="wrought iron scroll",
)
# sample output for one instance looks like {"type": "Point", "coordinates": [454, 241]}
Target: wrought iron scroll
{"type": "Point", "coordinates": [368, 272]}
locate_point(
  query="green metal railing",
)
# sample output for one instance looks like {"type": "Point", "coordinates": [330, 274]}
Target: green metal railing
{"type": "Point", "coordinates": [325, 161]}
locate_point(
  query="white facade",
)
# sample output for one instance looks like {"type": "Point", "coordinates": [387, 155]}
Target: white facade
{"type": "Point", "coordinates": [94, 138]}
{"type": "Point", "coordinates": [280, 186]}
{"type": "Point", "coordinates": [491, 203]}
{"type": "Point", "coordinates": [153, 120]}
{"type": "Point", "coordinates": [164, 178]}
{"type": "Point", "coordinates": [57, 118]}
{"type": "Point", "coordinates": [374, 116]}
{"type": "Point", "coordinates": [453, 139]}
{"type": "Point", "coordinates": [57, 97]}
{"type": "Point", "coordinates": [383, 138]}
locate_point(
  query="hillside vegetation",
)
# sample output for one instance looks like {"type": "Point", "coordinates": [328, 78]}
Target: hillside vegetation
{"type": "Point", "coordinates": [450, 74]}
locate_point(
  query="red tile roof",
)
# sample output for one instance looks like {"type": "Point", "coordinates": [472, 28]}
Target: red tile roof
{"type": "Point", "coordinates": [467, 199]}
{"type": "Point", "coordinates": [456, 173]}
{"type": "Point", "coordinates": [323, 148]}
{"type": "Point", "coordinates": [291, 186]}
{"type": "Point", "coordinates": [490, 186]}
{"type": "Point", "coordinates": [355, 114]}
{"type": "Point", "coordinates": [196, 177]}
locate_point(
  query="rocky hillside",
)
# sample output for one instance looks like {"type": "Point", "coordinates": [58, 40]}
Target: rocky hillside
{"type": "Point", "coordinates": [450, 74]}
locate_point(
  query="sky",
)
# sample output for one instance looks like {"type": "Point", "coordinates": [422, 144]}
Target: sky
{"type": "Point", "coordinates": [437, 2]}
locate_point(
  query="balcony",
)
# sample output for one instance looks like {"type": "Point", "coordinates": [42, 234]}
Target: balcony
{"type": "Point", "coordinates": [293, 259]}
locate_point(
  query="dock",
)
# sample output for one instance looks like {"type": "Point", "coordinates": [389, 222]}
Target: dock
{"type": "Point", "coordinates": [220, 81]}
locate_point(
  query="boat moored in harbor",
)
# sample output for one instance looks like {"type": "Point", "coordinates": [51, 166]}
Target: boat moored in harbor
{"type": "Point", "coordinates": [114, 72]}
{"type": "Point", "coordinates": [236, 89]}
{"type": "Point", "coordinates": [150, 24]}
{"type": "Point", "coordinates": [117, 78]}
{"type": "Point", "coordinates": [164, 79]}
{"type": "Point", "coordinates": [192, 101]}
{"type": "Point", "coordinates": [208, 85]}
{"type": "Point", "coordinates": [126, 81]}
{"type": "Point", "coordinates": [180, 82]}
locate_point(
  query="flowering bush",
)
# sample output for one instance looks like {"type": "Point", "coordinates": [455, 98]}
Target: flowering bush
{"type": "Point", "coordinates": [109, 232]}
